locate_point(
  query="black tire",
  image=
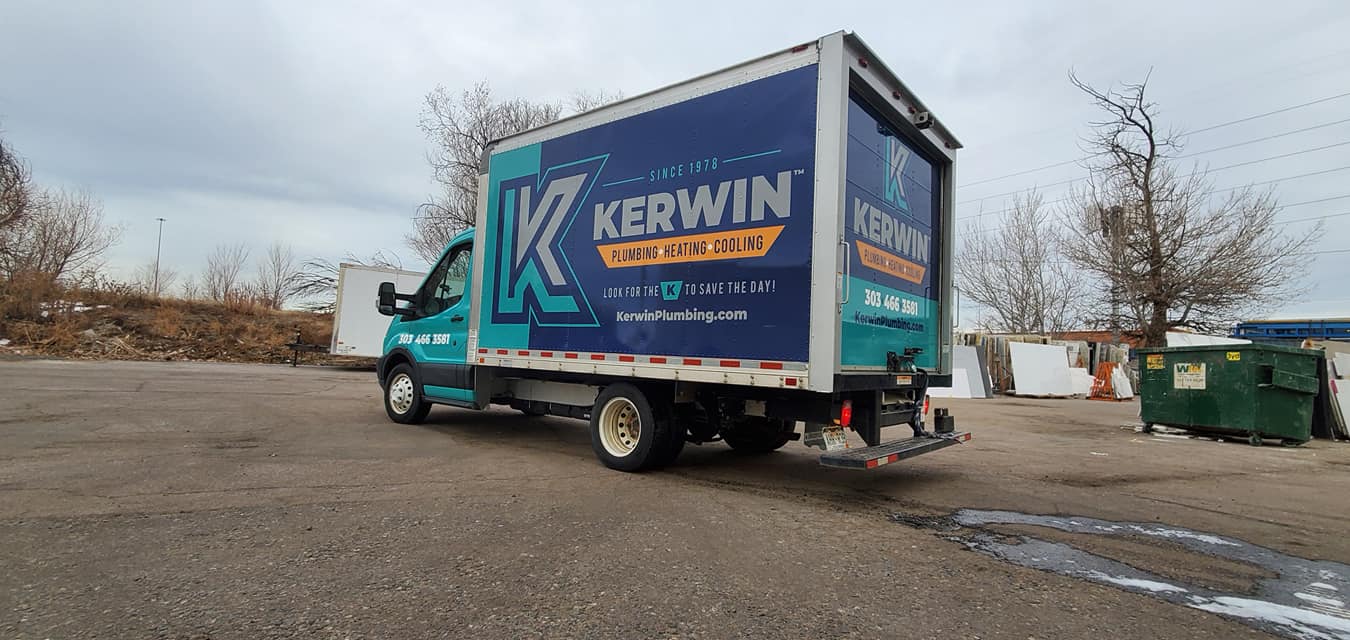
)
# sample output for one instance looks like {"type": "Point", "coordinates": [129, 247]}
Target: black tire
{"type": "Point", "coordinates": [612, 419]}
{"type": "Point", "coordinates": [754, 434]}
{"type": "Point", "coordinates": [417, 406]}
{"type": "Point", "coordinates": [674, 445]}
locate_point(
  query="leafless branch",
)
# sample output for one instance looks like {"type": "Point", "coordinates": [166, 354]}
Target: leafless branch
{"type": "Point", "coordinates": [1016, 272]}
{"type": "Point", "coordinates": [61, 232]}
{"type": "Point", "coordinates": [459, 127]}
{"type": "Point", "coordinates": [223, 266]}
{"type": "Point", "coordinates": [276, 275]}
{"type": "Point", "coordinates": [146, 279]}
{"type": "Point", "coordinates": [1174, 252]}
{"type": "Point", "coordinates": [16, 187]}
{"type": "Point", "coordinates": [316, 281]}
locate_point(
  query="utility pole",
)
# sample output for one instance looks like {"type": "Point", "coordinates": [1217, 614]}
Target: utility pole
{"type": "Point", "coordinates": [1113, 227]}
{"type": "Point", "coordinates": [159, 242]}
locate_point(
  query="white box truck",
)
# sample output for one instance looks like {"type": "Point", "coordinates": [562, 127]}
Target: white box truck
{"type": "Point", "coordinates": [722, 259]}
{"type": "Point", "coordinates": [358, 326]}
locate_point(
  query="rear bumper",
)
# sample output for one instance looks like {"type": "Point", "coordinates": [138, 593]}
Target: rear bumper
{"type": "Point", "coordinates": [888, 452]}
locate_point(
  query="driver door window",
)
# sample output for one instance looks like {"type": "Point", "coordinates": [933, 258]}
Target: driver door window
{"type": "Point", "coordinates": [445, 287]}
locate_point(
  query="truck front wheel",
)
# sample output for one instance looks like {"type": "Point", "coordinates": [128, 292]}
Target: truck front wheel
{"type": "Point", "coordinates": [754, 434]}
{"type": "Point", "coordinates": [403, 399]}
{"type": "Point", "coordinates": [626, 434]}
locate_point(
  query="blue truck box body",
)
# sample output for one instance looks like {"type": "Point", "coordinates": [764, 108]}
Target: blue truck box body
{"type": "Point", "coordinates": [785, 216]}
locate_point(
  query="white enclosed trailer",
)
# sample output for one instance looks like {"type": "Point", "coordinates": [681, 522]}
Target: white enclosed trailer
{"type": "Point", "coordinates": [358, 327]}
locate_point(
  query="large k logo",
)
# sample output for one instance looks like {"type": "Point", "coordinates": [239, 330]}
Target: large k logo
{"type": "Point", "coordinates": [535, 281]}
{"type": "Point", "coordinates": [538, 227]}
{"type": "Point", "coordinates": [897, 155]}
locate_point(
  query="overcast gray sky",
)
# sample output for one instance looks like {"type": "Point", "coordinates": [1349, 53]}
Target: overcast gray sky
{"type": "Point", "coordinates": [247, 121]}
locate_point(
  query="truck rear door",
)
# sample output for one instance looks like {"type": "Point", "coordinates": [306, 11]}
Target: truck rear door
{"type": "Point", "coordinates": [891, 293]}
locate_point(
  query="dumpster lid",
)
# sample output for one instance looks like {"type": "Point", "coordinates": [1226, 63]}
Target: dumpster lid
{"type": "Point", "coordinates": [1233, 347]}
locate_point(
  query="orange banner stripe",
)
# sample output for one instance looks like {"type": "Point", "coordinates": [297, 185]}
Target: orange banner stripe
{"type": "Point", "coordinates": [887, 262]}
{"type": "Point", "coordinates": [699, 247]}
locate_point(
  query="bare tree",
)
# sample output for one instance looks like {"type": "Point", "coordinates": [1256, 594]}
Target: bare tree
{"type": "Point", "coordinates": [582, 101]}
{"type": "Point", "coordinates": [459, 127]}
{"type": "Point", "coordinates": [1174, 252]}
{"type": "Point", "coordinates": [317, 281]}
{"type": "Point", "coordinates": [190, 290]}
{"type": "Point", "coordinates": [61, 232]}
{"type": "Point", "coordinates": [223, 265]}
{"type": "Point", "coordinates": [1016, 272]}
{"type": "Point", "coordinates": [277, 273]}
{"type": "Point", "coordinates": [16, 187]}
{"type": "Point", "coordinates": [152, 283]}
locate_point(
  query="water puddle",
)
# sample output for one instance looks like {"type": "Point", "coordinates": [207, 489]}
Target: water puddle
{"type": "Point", "coordinates": [1305, 600]}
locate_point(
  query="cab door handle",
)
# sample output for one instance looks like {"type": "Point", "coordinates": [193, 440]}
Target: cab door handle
{"type": "Point", "coordinates": [456, 318]}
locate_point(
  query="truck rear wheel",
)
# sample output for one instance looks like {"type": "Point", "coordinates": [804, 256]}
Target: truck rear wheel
{"type": "Point", "coordinates": [755, 434]}
{"type": "Point", "coordinates": [403, 399]}
{"type": "Point", "coordinates": [627, 435]}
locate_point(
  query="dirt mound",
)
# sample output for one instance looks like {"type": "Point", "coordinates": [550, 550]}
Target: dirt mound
{"type": "Point", "coordinates": [139, 328]}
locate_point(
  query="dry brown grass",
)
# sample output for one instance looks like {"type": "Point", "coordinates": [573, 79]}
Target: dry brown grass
{"type": "Point", "coordinates": [124, 324]}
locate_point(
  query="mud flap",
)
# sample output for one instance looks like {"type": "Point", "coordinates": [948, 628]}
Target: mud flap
{"type": "Point", "coordinates": [888, 452]}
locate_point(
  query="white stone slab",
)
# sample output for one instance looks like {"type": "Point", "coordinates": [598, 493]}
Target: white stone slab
{"type": "Point", "coordinates": [1040, 369]}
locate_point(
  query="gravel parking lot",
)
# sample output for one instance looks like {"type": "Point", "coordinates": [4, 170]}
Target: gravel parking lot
{"type": "Point", "coordinates": [250, 501]}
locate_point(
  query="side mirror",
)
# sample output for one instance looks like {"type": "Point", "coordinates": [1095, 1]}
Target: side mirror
{"type": "Point", "coordinates": [387, 298]}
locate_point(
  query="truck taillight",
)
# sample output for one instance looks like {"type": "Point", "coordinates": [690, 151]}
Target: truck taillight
{"type": "Point", "coordinates": [846, 413]}
{"type": "Point", "coordinates": [925, 405]}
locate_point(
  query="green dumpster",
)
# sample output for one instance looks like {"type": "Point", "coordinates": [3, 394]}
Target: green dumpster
{"type": "Point", "coordinates": [1251, 390]}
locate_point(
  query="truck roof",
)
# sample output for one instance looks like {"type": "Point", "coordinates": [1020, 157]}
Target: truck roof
{"type": "Point", "coordinates": [851, 40]}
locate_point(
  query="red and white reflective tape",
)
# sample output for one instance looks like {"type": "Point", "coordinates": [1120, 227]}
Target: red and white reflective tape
{"type": "Point", "coordinates": [747, 366]}
{"type": "Point", "coordinates": [877, 462]}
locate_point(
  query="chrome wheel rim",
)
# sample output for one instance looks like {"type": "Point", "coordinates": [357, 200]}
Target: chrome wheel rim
{"type": "Point", "coordinates": [620, 427]}
{"type": "Point", "coordinates": [401, 393]}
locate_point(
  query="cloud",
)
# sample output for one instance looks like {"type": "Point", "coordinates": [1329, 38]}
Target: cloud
{"type": "Point", "coordinates": [249, 121]}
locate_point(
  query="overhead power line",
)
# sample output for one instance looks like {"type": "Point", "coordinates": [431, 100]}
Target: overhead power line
{"type": "Point", "coordinates": [1224, 190]}
{"type": "Point", "coordinates": [1190, 175]}
{"type": "Point", "coordinates": [1324, 251]}
{"type": "Point", "coordinates": [1330, 215]}
{"type": "Point", "coordinates": [1271, 137]}
{"type": "Point", "coordinates": [1271, 113]}
{"type": "Point", "coordinates": [1019, 173]}
{"type": "Point", "coordinates": [1188, 155]}
{"type": "Point", "coordinates": [1209, 128]}
{"type": "Point", "coordinates": [1327, 199]}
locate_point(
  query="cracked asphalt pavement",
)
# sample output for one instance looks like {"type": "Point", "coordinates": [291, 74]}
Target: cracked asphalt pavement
{"type": "Point", "coordinates": [190, 500]}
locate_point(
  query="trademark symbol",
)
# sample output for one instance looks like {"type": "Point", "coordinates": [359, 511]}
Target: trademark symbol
{"type": "Point", "coordinates": [798, 172]}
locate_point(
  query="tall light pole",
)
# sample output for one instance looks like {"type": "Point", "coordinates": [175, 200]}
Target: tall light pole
{"type": "Point", "coordinates": [159, 242]}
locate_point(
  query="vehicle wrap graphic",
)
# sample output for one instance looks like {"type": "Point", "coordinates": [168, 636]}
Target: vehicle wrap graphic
{"type": "Point", "coordinates": [685, 230]}
{"type": "Point", "coordinates": [891, 222]}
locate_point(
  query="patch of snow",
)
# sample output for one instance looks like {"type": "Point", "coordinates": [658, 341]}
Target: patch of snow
{"type": "Point", "coordinates": [1163, 532]}
{"type": "Point", "coordinates": [1318, 585]}
{"type": "Point", "coordinates": [4, 342]}
{"type": "Point", "coordinates": [1328, 602]}
{"type": "Point", "coordinates": [1135, 583]}
{"type": "Point", "coordinates": [1303, 622]}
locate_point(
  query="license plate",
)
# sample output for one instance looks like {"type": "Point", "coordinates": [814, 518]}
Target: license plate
{"type": "Point", "coordinates": [834, 438]}
{"type": "Point", "coordinates": [904, 380]}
